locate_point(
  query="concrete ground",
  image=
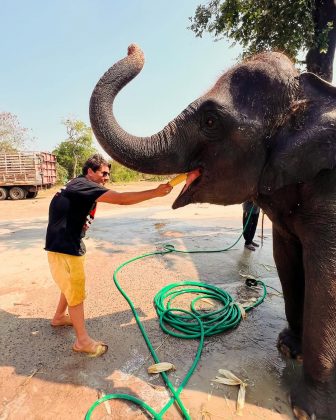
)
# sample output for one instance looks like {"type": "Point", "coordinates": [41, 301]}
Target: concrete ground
{"type": "Point", "coordinates": [42, 378]}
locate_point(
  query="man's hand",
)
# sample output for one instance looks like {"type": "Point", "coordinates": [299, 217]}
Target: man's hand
{"type": "Point", "coordinates": [163, 189]}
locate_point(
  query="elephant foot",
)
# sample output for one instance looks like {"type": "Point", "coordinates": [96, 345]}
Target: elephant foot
{"type": "Point", "coordinates": [312, 400]}
{"type": "Point", "coordinates": [289, 344]}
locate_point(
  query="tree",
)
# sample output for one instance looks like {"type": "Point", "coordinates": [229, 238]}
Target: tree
{"type": "Point", "coordinates": [293, 27]}
{"type": "Point", "coordinates": [62, 175]}
{"type": "Point", "coordinates": [12, 135]}
{"type": "Point", "coordinates": [77, 148]}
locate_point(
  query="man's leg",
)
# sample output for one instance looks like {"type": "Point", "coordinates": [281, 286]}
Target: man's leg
{"type": "Point", "coordinates": [249, 231]}
{"type": "Point", "coordinates": [77, 317]}
{"type": "Point", "coordinates": [246, 232]}
{"type": "Point", "coordinates": [68, 272]}
{"type": "Point", "coordinates": [84, 343]}
{"type": "Point", "coordinates": [60, 317]}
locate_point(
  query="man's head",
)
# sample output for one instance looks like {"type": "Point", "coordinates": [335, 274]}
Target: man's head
{"type": "Point", "coordinates": [97, 169]}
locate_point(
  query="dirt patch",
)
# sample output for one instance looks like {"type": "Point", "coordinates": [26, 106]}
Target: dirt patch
{"type": "Point", "coordinates": [41, 378]}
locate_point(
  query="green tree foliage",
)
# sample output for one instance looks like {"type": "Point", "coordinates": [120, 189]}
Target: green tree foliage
{"type": "Point", "coordinates": [120, 173]}
{"type": "Point", "coordinates": [62, 174]}
{"type": "Point", "coordinates": [13, 136]}
{"type": "Point", "coordinates": [293, 27]}
{"type": "Point", "coordinates": [76, 149]}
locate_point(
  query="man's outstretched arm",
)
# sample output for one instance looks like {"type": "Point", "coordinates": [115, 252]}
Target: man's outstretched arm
{"type": "Point", "coordinates": [127, 198]}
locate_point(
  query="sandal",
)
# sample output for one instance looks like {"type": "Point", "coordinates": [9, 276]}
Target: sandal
{"type": "Point", "coordinates": [95, 349]}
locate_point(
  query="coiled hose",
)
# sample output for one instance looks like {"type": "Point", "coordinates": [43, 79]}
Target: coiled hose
{"type": "Point", "coordinates": [189, 324]}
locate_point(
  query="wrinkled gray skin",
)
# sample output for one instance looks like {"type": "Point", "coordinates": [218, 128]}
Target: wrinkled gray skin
{"type": "Point", "coordinates": [267, 134]}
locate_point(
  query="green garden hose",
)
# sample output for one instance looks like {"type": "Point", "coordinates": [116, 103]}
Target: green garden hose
{"type": "Point", "coordinates": [190, 324]}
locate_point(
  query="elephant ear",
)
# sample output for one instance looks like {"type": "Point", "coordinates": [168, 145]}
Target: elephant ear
{"type": "Point", "coordinates": [305, 143]}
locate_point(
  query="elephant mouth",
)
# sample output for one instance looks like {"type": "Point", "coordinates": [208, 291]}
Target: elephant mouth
{"type": "Point", "coordinates": [185, 196]}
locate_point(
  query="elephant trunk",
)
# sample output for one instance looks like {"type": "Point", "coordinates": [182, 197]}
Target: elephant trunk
{"type": "Point", "coordinates": [161, 153]}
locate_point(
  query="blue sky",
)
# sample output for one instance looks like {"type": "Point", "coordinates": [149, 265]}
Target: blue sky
{"type": "Point", "coordinates": [54, 52]}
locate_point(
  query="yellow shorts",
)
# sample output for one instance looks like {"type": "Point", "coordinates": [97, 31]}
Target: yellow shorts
{"type": "Point", "coordinates": [68, 273]}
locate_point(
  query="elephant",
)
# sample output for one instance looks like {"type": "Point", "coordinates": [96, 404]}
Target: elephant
{"type": "Point", "coordinates": [264, 132]}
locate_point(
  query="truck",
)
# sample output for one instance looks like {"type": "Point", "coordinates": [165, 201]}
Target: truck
{"type": "Point", "coordinates": [23, 174]}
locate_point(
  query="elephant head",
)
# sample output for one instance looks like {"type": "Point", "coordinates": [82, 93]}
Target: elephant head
{"type": "Point", "coordinates": [252, 132]}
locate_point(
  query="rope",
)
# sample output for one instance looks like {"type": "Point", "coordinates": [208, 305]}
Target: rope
{"type": "Point", "coordinates": [262, 227]}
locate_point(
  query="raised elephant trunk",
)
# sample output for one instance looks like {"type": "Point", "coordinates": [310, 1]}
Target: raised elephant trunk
{"type": "Point", "coordinates": [156, 154]}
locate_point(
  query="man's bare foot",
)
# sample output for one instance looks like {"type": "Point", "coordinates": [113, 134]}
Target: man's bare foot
{"type": "Point", "coordinates": [63, 321]}
{"type": "Point", "coordinates": [92, 349]}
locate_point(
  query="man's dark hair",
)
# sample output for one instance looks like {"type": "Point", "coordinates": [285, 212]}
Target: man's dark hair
{"type": "Point", "coordinates": [95, 162]}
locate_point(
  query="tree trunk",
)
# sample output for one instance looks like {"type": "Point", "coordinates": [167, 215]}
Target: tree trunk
{"type": "Point", "coordinates": [321, 63]}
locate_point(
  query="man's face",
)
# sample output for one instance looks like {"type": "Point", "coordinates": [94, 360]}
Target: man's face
{"type": "Point", "coordinates": [101, 176]}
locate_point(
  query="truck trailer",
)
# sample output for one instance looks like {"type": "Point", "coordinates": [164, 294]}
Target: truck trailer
{"type": "Point", "coordinates": [23, 174]}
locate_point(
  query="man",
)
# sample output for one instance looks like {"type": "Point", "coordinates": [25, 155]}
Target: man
{"type": "Point", "coordinates": [251, 227]}
{"type": "Point", "coordinates": [71, 212]}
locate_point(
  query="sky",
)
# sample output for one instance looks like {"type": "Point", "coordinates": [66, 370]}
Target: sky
{"type": "Point", "coordinates": [54, 52]}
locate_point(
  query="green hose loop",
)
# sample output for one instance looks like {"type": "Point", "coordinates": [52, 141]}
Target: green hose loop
{"type": "Point", "coordinates": [171, 248]}
{"type": "Point", "coordinates": [122, 397]}
{"type": "Point", "coordinates": [193, 324]}
{"type": "Point", "coordinates": [213, 322]}
{"type": "Point", "coordinates": [228, 316]}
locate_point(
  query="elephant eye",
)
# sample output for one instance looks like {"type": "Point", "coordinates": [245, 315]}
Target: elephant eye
{"type": "Point", "coordinates": [210, 120]}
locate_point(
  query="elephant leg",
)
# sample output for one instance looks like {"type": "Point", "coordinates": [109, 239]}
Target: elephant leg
{"type": "Point", "coordinates": [312, 399]}
{"type": "Point", "coordinates": [316, 392]}
{"type": "Point", "coordinates": [288, 258]}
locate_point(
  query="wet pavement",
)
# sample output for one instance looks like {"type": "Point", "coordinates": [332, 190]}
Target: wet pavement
{"type": "Point", "coordinates": [42, 378]}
